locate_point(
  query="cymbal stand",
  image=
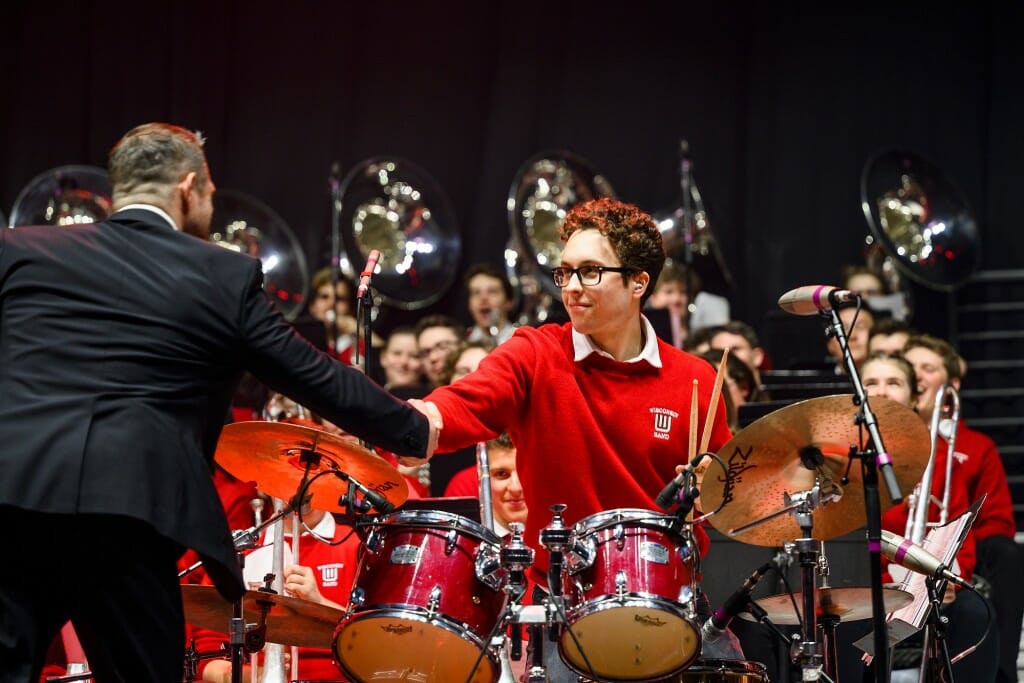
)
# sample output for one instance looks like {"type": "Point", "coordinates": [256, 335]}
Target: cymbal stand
{"type": "Point", "coordinates": [192, 659]}
{"type": "Point", "coordinates": [242, 639]}
{"type": "Point", "coordinates": [874, 459]}
{"type": "Point", "coordinates": [808, 652]}
{"type": "Point", "coordinates": [936, 666]}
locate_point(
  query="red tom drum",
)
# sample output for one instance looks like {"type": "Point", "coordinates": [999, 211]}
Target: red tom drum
{"type": "Point", "coordinates": [427, 594]}
{"type": "Point", "coordinates": [630, 587]}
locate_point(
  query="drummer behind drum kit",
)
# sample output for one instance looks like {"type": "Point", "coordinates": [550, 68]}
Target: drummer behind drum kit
{"type": "Point", "coordinates": [436, 593]}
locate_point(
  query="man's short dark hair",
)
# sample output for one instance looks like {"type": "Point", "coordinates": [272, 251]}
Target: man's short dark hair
{"type": "Point", "coordinates": [494, 271]}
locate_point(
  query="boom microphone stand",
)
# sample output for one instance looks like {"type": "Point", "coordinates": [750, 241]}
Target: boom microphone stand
{"type": "Point", "coordinates": [872, 458]}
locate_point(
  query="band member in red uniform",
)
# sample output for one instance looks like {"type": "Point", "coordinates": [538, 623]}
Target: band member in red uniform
{"type": "Point", "coordinates": [599, 408]}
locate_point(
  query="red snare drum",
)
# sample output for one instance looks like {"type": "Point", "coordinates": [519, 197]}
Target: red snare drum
{"type": "Point", "coordinates": [630, 587]}
{"type": "Point", "coordinates": [427, 594]}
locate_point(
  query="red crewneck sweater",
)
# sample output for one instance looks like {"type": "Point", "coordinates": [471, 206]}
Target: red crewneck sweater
{"type": "Point", "coordinates": [597, 435]}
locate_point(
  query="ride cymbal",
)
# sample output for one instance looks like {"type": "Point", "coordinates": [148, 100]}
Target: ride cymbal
{"type": "Point", "coordinates": [275, 455]}
{"type": "Point", "coordinates": [847, 603]}
{"type": "Point", "coordinates": [290, 621]}
{"type": "Point", "coordinates": [784, 452]}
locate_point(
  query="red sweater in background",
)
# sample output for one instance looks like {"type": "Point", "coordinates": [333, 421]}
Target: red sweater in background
{"type": "Point", "coordinates": [981, 468]}
{"type": "Point", "coordinates": [895, 518]}
{"type": "Point", "coordinates": [596, 435]}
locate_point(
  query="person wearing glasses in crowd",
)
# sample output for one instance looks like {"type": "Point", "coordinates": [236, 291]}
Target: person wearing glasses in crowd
{"type": "Point", "coordinates": [437, 336]}
{"type": "Point", "coordinates": [598, 408]}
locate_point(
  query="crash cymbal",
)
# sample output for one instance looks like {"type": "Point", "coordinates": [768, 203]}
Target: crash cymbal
{"type": "Point", "coordinates": [272, 455]}
{"type": "Point", "coordinates": [766, 461]}
{"type": "Point", "coordinates": [849, 604]}
{"type": "Point", "coordinates": [291, 621]}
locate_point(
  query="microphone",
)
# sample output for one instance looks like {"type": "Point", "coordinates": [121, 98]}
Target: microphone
{"type": "Point", "coordinates": [670, 494]}
{"type": "Point", "coordinates": [734, 604]}
{"type": "Point", "coordinates": [906, 553]}
{"type": "Point", "coordinates": [811, 299]}
{"type": "Point", "coordinates": [364, 277]}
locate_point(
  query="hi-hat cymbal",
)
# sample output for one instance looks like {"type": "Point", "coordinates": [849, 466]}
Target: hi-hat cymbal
{"type": "Point", "coordinates": [290, 621]}
{"type": "Point", "coordinates": [849, 604]}
{"type": "Point", "coordinates": [273, 454]}
{"type": "Point", "coordinates": [766, 461]}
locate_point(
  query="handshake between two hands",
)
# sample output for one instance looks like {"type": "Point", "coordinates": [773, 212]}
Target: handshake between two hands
{"type": "Point", "coordinates": [436, 424]}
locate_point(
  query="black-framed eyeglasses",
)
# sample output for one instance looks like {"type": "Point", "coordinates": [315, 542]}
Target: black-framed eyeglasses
{"type": "Point", "coordinates": [588, 275]}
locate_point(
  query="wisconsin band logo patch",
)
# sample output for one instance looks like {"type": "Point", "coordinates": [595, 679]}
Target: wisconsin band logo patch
{"type": "Point", "coordinates": [663, 418]}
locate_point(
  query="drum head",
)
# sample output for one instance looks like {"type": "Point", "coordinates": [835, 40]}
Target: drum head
{"type": "Point", "coordinates": [403, 645]}
{"type": "Point", "coordinates": [666, 643]}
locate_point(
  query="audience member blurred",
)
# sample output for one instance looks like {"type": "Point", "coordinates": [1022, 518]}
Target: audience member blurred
{"type": "Point", "coordinates": [872, 285]}
{"type": "Point", "coordinates": [888, 335]}
{"type": "Point", "coordinates": [436, 337]}
{"type": "Point", "coordinates": [1000, 559]}
{"type": "Point", "coordinates": [335, 308]}
{"type": "Point", "coordinates": [672, 312]}
{"type": "Point", "coordinates": [462, 360]}
{"type": "Point", "coordinates": [400, 361]}
{"type": "Point", "coordinates": [699, 341]}
{"type": "Point", "coordinates": [490, 298]}
{"type": "Point", "coordinates": [507, 500]}
{"type": "Point", "coordinates": [857, 325]}
{"type": "Point", "coordinates": [742, 342]}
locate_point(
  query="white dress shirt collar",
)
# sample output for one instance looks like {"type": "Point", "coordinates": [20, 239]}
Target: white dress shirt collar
{"type": "Point", "coordinates": [583, 346]}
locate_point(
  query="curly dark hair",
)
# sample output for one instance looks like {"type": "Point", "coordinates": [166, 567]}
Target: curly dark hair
{"type": "Point", "coordinates": [632, 233]}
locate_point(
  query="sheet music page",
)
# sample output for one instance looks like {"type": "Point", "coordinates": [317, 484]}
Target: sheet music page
{"type": "Point", "coordinates": [944, 543]}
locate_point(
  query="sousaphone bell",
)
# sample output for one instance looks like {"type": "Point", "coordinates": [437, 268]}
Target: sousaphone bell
{"type": "Point", "coordinates": [920, 219]}
{"type": "Point", "coordinates": [543, 191]}
{"type": "Point", "coordinates": [62, 196]}
{"type": "Point", "coordinates": [244, 224]}
{"type": "Point", "coordinates": [394, 206]}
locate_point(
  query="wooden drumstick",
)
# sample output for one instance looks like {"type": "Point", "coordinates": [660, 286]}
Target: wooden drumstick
{"type": "Point", "coordinates": [716, 393]}
{"type": "Point", "coordinates": [692, 452]}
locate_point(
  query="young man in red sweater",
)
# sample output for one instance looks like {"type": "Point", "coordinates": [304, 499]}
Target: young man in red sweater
{"type": "Point", "coordinates": [598, 409]}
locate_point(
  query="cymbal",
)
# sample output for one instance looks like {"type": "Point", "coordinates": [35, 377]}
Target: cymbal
{"type": "Point", "coordinates": [290, 621]}
{"type": "Point", "coordinates": [765, 464]}
{"type": "Point", "coordinates": [271, 454]}
{"type": "Point", "coordinates": [849, 604]}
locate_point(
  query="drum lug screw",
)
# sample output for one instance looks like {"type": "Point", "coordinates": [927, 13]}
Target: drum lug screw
{"type": "Point", "coordinates": [434, 601]}
{"type": "Point", "coordinates": [620, 583]}
{"type": "Point", "coordinates": [450, 539]}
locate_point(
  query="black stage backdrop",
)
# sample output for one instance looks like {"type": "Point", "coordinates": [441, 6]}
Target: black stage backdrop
{"type": "Point", "coordinates": [782, 104]}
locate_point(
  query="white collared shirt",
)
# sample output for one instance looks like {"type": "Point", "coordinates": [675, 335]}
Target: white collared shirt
{"type": "Point", "coordinates": [155, 209]}
{"type": "Point", "coordinates": [583, 347]}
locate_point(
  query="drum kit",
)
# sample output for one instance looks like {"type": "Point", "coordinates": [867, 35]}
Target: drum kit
{"type": "Point", "coordinates": [440, 597]}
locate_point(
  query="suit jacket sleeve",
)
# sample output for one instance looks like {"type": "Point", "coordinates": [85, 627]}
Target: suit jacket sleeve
{"type": "Point", "coordinates": [281, 358]}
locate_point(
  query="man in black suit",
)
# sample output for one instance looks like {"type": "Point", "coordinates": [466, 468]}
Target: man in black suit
{"type": "Point", "coordinates": [121, 343]}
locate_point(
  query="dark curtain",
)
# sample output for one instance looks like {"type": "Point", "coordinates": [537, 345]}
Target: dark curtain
{"type": "Point", "coordinates": [782, 104]}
